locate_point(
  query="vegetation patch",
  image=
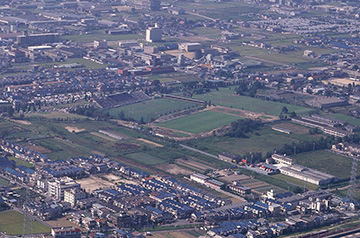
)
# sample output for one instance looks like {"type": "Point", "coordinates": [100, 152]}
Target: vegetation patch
{"type": "Point", "coordinates": [326, 162]}
{"type": "Point", "coordinates": [11, 222]}
{"type": "Point", "coordinates": [144, 158]}
{"type": "Point", "coordinates": [151, 109]}
{"type": "Point", "coordinates": [199, 122]}
{"type": "Point", "coordinates": [226, 97]}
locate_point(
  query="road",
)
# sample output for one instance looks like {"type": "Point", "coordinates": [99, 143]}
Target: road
{"type": "Point", "coordinates": [199, 15]}
{"type": "Point", "coordinates": [199, 151]}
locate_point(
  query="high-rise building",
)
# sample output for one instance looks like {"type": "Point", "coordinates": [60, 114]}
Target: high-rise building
{"type": "Point", "coordinates": [153, 34]}
{"type": "Point", "coordinates": [100, 44]}
{"type": "Point", "coordinates": [57, 187]}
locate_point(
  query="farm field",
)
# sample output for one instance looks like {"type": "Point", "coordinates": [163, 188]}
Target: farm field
{"type": "Point", "coordinates": [226, 97]}
{"type": "Point", "coordinates": [352, 120]}
{"type": "Point", "coordinates": [263, 140]}
{"type": "Point", "coordinates": [151, 109]}
{"type": "Point", "coordinates": [194, 165]}
{"type": "Point", "coordinates": [11, 222]}
{"type": "Point", "coordinates": [146, 159]}
{"type": "Point", "coordinates": [326, 161]}
{"type": "Point", "coordinates": [199, 122]}
{"type": "Point", "coordinates": [21, 162]}
{"type": "Point", "coordinates": [56, 115]}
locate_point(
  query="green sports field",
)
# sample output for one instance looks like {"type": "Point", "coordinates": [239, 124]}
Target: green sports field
{"type": "Point", "coordinates": [226, 97]}
{"type": "Point", "coordinates": [200, 122]}
{"type": "Point", "coordinates": [11, 222]}
{"type": "Point", "coordinates": [152, 109]}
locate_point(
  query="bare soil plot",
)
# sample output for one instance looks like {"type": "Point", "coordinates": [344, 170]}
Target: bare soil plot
{"type": "Point", "coordinates": [234, 177]}
{"type": "Point", "coordinates": [98, 153]}
{"type": "Point", "coordinates": [103, 136]}
{"type": "Point", "coordinates": [193, 164]}
{"type": "Point", "coordinates": [21, 122]}
{"type": "Point", "coordinates": [297, 129]}
{"type": "Point", "coordinates": [39, 148]}
{"type": "Point", "coordinates": [243, 113]}
{"type": "Point", "coordinates": [115, 179]}
{"type": "Point", "coordinates": [150, 142]}
{"type": "Point", "coordinates": [62, 222]}
{"type": "Point", "coordinates": [174, 169]}
{"type": "Point", "coordinates": [176, 53]}
{"type": "Point", "coordinates": [126, 146]}
{"type": "Point", "coordinates": [73, 129]}
{"type": "Point", "coordinates": [341, 82]}
{"type": "Point", "coordinates": [93, 183]}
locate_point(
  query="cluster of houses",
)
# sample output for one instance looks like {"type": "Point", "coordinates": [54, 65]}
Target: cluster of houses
{"type": "Point", "coordinates": [305, 211]}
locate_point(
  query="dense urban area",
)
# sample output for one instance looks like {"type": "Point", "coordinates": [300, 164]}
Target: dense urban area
{"type": "Point", "coordinates": [179, 118]}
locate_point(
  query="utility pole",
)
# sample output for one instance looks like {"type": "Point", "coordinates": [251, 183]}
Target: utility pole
{"type": "Point", "coordinates": [28, 228]}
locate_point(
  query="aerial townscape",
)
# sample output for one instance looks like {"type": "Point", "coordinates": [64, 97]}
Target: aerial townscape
{"type": "Point", "coordinates": [179, 118]}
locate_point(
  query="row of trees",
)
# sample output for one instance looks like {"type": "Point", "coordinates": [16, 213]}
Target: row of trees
{"type": "Point", "coordinates": [241, 127]}
{"type": "Point", "coordinates": [248, 88]}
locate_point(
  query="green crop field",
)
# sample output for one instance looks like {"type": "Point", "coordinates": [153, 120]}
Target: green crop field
{"type": "Point", "coordinates": [152, 109]}
{"type": "Point", "coordinates": [200, 122]}
{"type": "Point", "coordinates": [11, 222]}
{"type": "Point", "coordinates": [56, 115]}
{"type": "Point", "coordinates": [263, 140]}
{"type": "Point", "coordinates": [326, 161]}
{"type": "Point", "coordinates": [352, 120]}
{"type": "Point", "coordinates": [21, 162]}
{"type": "Point", "coordinates": [226, 97]}
{"type": "Point", "coordinates": [146, 159]}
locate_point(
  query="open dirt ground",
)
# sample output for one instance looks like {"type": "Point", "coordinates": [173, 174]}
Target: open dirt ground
{"type": "Point", "coordinates": [73, 129]}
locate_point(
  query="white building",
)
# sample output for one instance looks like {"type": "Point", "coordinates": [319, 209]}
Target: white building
{"type": "Point", "coordinates": [200, 178]}
{"type": "Point", "coordinates": [57, 187]}
{"type": "Point", "coordinates": [153, 34]}
{"type": "Point", "coordinates": [73, 195]}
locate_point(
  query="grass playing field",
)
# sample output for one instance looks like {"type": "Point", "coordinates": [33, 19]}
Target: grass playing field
{"type": "Point", "coordinates": [11, 222]}
{"type": "Point", "coordinates": [152, 109]}
{"type": "Point", "coordinates": [200, 122]}
{"type": "Point", "coordinates": [226, 97]}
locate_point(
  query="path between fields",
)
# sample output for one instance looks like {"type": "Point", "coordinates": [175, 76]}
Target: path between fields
{"type": "Point", "coordinates": [264, 60]}
{"type": "Point", "coordinates": [199, 151]}
{"type": "Point", "coordinates": [243, 113]}
{"type": "Point", "coordinates": [199, 15]}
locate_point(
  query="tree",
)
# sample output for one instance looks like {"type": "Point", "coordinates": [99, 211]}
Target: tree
{"type": "Point", "coordinates": [142, 120]}
{"type": "Point", "coordinates": [297, 189]}
{"type": "Point", "coordinates": [10, 111]}
{"type": "Point", "coordinates": [284, 110]}
{"type": "Point", "coordinates": [293, 115]}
